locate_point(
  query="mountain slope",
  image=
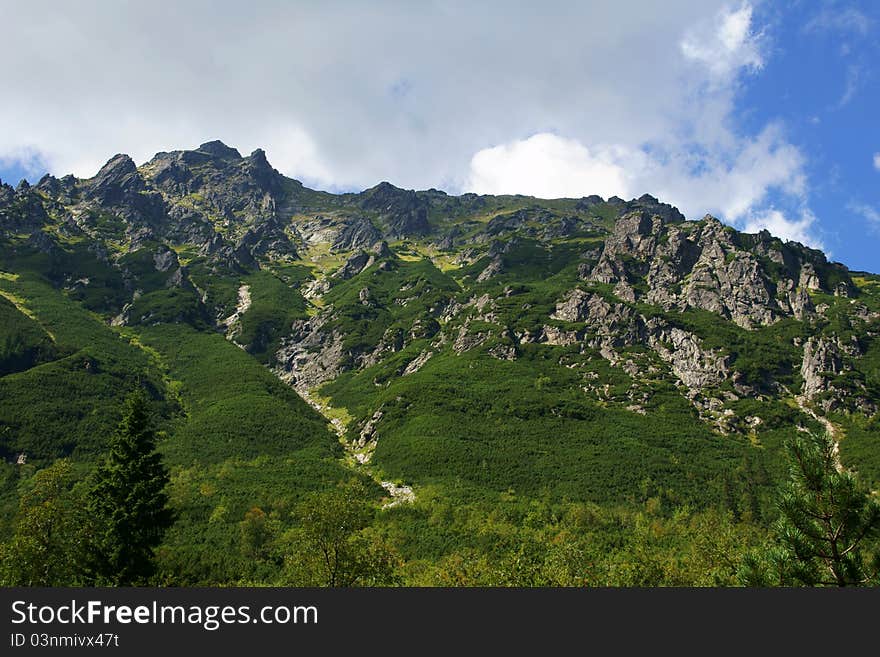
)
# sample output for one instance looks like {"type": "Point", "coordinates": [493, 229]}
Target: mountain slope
{"type": "Point", "coordinates": [472, 347]}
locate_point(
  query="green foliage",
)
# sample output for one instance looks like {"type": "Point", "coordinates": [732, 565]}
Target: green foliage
{"type": "Point", "coordinates": [331, 547]}
{"type": "Point", "coordinates": [479, 426]}
{"type": "Point", "coordinates": [274, 307]}
{"type": "Point", "coordinates": [517, 541]}
{"type": "Point", "coordinates": [127, 502]}
{"type": "Point", "coordinates": [244, 440]}
{"type": "Point", "coordinates": [399, 295]}
{"type": "Point", "coordinates": [169, 306]}
{"type": "Point", "coordinates": [764, 356]}
{"type": "Point", "coordinates": [68, 407]}
{"type": "Point", "coordinates": [555, 468]}
{"type": "Point", "coordinates": [828, 528]}
{"type": "Point", "coordinates": [860, 447]}
{"type": "Point", "coordinates": [23, 342]}
{"type": "Point", "coordinates": [234, 407]}
{"type": "Point", "coordinates": [47, 544]}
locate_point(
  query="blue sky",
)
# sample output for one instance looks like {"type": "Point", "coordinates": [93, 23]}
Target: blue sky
{"type": "Point", "coordinates": [761, 113]}
{"type": "Point", "coordinates": [821, 79]}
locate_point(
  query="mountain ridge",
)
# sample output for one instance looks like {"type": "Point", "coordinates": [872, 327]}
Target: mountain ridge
{"type": "Point", "coordinates": [462, 346]}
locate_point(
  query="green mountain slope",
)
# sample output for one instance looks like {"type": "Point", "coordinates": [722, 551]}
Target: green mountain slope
{"type": "Point", "coordinates": [473, 352]}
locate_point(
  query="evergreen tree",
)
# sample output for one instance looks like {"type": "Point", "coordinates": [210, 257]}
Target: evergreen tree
{"type": "Point", "coordinates": [127, 501]}
{"type": "Point", "coordinates": [827, 526]}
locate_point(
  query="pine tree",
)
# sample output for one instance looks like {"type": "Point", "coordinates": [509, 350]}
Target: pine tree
{"type": "Point", "coordinates": [127, 501]}
{"type": "Point", "coordinates": [828, 525]}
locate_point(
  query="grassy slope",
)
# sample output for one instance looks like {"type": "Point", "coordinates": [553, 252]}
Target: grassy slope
{"type": "Point", "coordinates": [69, 406]}
{"type": "Point", "coordinates": [484, 426]}
{"type": "Point", "coordinates": [23, 342]}
{"type": "Point", "coordinates": [477, 426]}
{"type": "Point", "coordinates": [244, 440]}
{"type": "Point", "coordinates": [230, 426]}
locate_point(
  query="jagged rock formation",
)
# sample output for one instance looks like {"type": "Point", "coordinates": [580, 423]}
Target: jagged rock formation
{"type": "Point", "coordinates": [751, 280]}
{"type": "Point", "coordinates": [405, 213]}
{"type": "Point", "coordinates": [391, 279]}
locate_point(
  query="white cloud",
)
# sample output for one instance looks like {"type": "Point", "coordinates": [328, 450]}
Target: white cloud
{"type": "Point", "coordinates": [549, 166]}
{"type": "Point", "coordinates": [851, 85]}
{"type": "Point", "coordinates": [702, 164]}
{"type": "Point", "coordinates": [848, 20]}
{"type": "Point", "coordinates": [577, 98]}
{"type": "Point", "coordinates": [868, 212]}
{"type": "Point", "coordinates": [877, 161]}
{"type": "Point", "coordinates": [729, 182]}
{"type": "Point", "coordinates": [725, 44]}
{"type": "Point", "coordinates": [27, 159]}
{"type": "Point", "coordinates": [796, 230]}
{"type": "Point", "coordinates": [100, 78]}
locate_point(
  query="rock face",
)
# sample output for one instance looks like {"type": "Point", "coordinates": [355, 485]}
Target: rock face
{"type": "Point", "coordinates": [612, 326]}
{"type": "Point", "coordinates": [310, 356]}
{"type": "Point", "coordinates": [617, 284]}
{"type": "Point", "coordinates": [358, 234]}
{"type": "Point", "coordinates": [822, 361]}
{"type": "Point", "coordinates": [697, 368]}
{"type": "Point", "coordinates": [354, 265]}
{"type": "Point", "coordinates": [705, 265]}
{"type": "Point", "coordinates": [116, 179]}
{"type": "Point", "coordinates": [404, 212]}
{"type": "Point", "coordinates": [830, 381]}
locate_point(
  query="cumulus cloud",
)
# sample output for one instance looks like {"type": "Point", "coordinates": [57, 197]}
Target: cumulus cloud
{"type": "Point", "coordinates": [701, 164]}
{"type": "Point", "coordinates": [406, 92]}
{"type": "Point", "coordinates": [558, 99]}
{"type": "Point", "coordinates": [549, 166]}
{"type": "Point", "coordinates": [729, 182]}
{"type": "Point", "coordinates": [796, 230]}
{"type": "Point", "coordinates": [725, 44]}
{"type": "Point", "coordinates": [24, 159]}
{"type": "Point", "coordinates": [877, 161]}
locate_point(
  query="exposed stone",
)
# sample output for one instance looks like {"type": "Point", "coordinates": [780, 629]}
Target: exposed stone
{"type": "Point", "coordinates": [492, 269]}
{"type": "Point", "coordinates": [165, 259]}
{"type": "Point", "coordinates": [354, 266]}
{"type": "Point", "coordinates": [358, 233]}
{"type": "Point", "coordinates": [416, 363]}
{"type": "Point", "coordinates": [696, 367]}
{"type": "Point", "coordinates": [821, 360]}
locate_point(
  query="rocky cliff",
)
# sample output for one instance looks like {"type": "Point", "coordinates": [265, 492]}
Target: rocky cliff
{"type": "Point", "coordinates": [384, 280]}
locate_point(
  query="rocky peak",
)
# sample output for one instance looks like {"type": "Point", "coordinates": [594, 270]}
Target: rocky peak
{"type": "Point", "coordinates": [114, 180]}
{"type": "Point", "coordinates": [259, 169]}
{"type": "Point", "coordinates": [117, 167]}
{"type": "Point", "coordinates": [404, 211]}
{"type": "Point", "coordinates": [218, 149]}
{"type": "Point", "coordinates": [589, 201]}
{"type": "Point", "coordinates": [258, 158]}
{"type": "Point", "coordinates": [169, 171]}
{"type": "Point", "coordinates": [649, 204]}
{"type": "Point", "coordinates": [47, 182]}
{"type": "Point", "coordinates": [634, 236]}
